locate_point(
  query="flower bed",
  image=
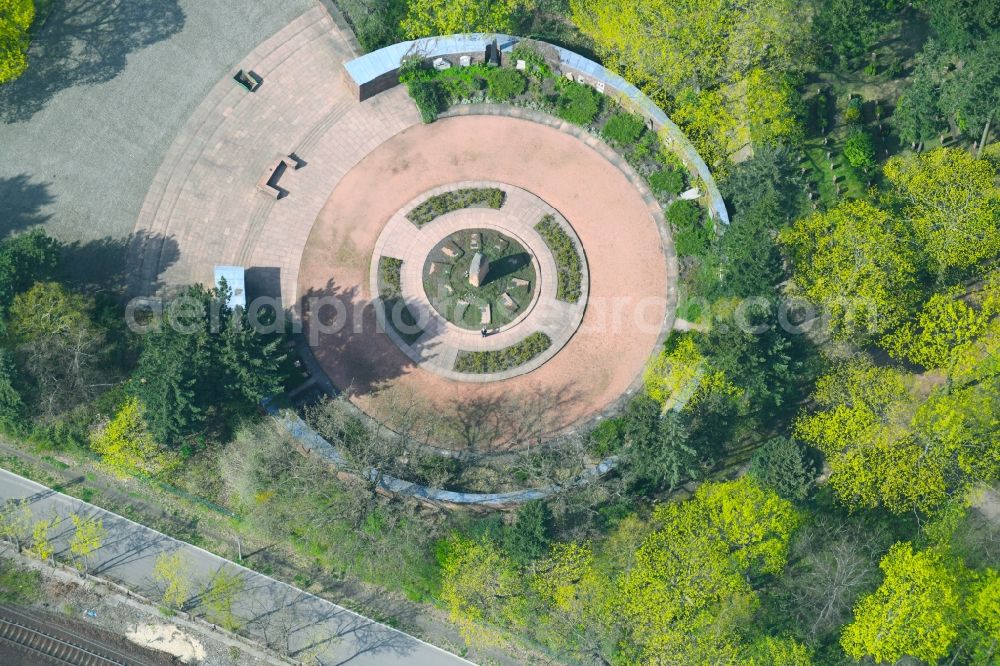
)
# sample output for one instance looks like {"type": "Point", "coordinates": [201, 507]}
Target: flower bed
{"type": "Point", "coordinates": [568, 265]}
{"type": "Point", "coordinates": [503, 359]}
{"type": "Point", "coordinates": [487, 197]}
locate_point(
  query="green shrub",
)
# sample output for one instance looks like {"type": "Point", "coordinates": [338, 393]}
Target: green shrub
{"type": "Point", "coordinates": [429, 96]}
{"type": "Point", "coordinates": [569, 272]}
{"type": "Point", "coordinates": [389, 269]}
{"type": "Point", "coordinates": [684, 214]}
{"type": "Point", "coordinates": [577, 103]}
{"type": "Point", "coordinates": [606, 438]}
{"type": "Point", "coordinates": [783, 465]}
{"type": "Point", "coordinates": [624, 129]}
{"type": "Point", "coordinates": [503, 359]}
{"type": "Point", "coordinates": [535, 61]}
{"type": "Point", "coordinates": [860, 150]}
{"type": "Point", "coordinates": [691, 242]}
{"type": "Point", "coordinates": [438, 205]}
{"type": "Point", "coordinates": [666, 182]}
{"type": "Point", "coordinates": [503, 84]}
{"type": "Point", "coordinates": [852, 114]}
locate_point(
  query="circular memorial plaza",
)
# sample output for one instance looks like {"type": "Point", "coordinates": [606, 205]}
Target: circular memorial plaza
{"type": "Point", "coordinates": [496, 266]}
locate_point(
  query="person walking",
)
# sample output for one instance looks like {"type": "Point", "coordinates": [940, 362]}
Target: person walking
{"type": "Point", "coordinates": [484, 332]}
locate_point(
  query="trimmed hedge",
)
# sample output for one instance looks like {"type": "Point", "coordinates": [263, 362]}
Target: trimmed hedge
{"type": "Point", "coordinates": [503, 359]}
{"type": "Point", "coordinates": [569, 271]}
{"type": "Point", "coordinates": [389, 283]}
{"type": "Point", "coordinates": [489, 197]}
{"type": "Point", "coordinates": [503, 84]}
{"type": "Point", "coordinates": [577, 103]}
{"type": "Point", "coordinates": [624, 129]}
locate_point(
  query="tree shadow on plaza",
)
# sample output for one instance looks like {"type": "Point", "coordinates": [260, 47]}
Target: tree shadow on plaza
{"type": "Point", "coordinates": [507, 421]}
{"type": "Point", "coordinates": [85, 42]}
{"type": "Point", "coordinates": [343, 333]}
{"type": "Point", "coordinates": [107, 264]}
{"type": "Point", "coordinates": [21, 204]}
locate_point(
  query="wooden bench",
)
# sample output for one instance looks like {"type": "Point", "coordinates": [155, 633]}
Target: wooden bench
{"type": "Point", "coordinates": [249, 80]}
{"type": "Point", "coordinates": [269, 183]}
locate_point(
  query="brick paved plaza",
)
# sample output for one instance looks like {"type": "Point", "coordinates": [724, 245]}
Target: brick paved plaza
{"type": "Point", "coordinates": [360, 163]}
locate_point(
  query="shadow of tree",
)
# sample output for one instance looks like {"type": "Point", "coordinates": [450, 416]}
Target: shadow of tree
{"type": "Point", "coordinates": [21, 203]}
{"type": "Point", "coordinates": [343, 333]}
{"type": "Point", "coordinates": [101, 265]}
{"type": "Point", "coordinates": [85, 42]}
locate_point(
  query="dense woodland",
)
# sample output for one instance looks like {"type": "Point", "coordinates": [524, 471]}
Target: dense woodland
{"type": "Point", "coordinates": [805, 478]}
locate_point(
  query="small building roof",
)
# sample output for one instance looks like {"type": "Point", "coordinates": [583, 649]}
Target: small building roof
{"type": "Point", "coordinates": [235, 277]}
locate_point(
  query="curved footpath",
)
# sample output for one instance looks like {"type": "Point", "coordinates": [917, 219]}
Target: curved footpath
{"type": "Point", "coordinates": [130, 552]}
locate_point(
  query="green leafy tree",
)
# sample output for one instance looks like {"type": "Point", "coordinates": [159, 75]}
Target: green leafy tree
{"type": "Point", "coordinates": [972, 92]}
{"type": "Point", "coordinates": [656, 453]}
{"type": "Point", "coordinates": [220, 596]}
{"type": "Point", "coordinates": [952, 203]}
{"type": "Point", "coordinates": [752, 263]}
{"type": "Point", "coordinates": [24, 260]}
{"type": "Point", "coordinates": [41, 543]}
{"type": "Point", "coordinates": [203, 356]}
{"type": "Point", "coordinates": [88, 536]}
{"type": "Point", "coordinates": [15, 522]}
{"type": "Point", "coordinates": [918, 112]}
{"type": "Point", "coordinates": [426, 18]}
{"type": "Point", "coordinates": [771, 651]}
{"type": "Point", "coordinates": [944, 323]}
{"type": "Point", "coordinates": [687, 595]}
{"type": "Point", "coordinates": [913, 613]}
{"type": "Point", "coordinates": [15, 19]}
{"type": "Point", "coordinates": [528, 538]}
{"type": "Point", "coordinates": [850, 28]}
{"type": "Point", "coordinates": [783, 465]}
{"type": "Point", "coordinates": [857, 262]}
{"type": "Point", "coordinates": [126, 446]}
{"type": "Point", "coordinates": [959, 24]}
{"type": "Point", "coordinates": [60, 346]}
{"type": "Point", "coordinates": [10, 398]}
{"type": "Point", "coordinates": [860, 150]}
{"type": "Point", "coordinates": [481, 587]}
{"type": "Point", "coordinates": [172, 571]}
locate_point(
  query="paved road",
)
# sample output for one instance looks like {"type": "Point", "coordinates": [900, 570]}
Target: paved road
{"type": "Point", "coordinates": [268, 607]}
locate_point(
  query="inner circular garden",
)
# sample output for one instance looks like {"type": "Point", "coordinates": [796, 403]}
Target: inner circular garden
{"type": "Point", "coordinates": [480, 279]}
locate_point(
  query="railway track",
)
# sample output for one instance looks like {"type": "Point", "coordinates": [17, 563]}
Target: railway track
{"type": "Point", "coordinates": [15, 629]}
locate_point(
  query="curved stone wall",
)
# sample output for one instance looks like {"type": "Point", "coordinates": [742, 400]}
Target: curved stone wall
{"type": "Point", "coordinates": [378, 71]}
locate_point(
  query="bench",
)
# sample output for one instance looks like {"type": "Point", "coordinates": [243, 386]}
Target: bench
{"type": "Point", "coordinates": [269, 183]}
{"type": "Point", "coordinates": [249, 80]}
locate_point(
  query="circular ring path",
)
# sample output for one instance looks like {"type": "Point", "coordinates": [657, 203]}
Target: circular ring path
{"type": "Point", "coordinates": [362, 162]}
{"type": "Point", "coordinates": [441, 342]}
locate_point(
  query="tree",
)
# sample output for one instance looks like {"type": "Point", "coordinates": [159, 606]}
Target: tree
{"type": "Point", "coordinates": [220, 595]}
{"type": "Point", "coordinates": [126, 446]}
{"type": "Point", "coordinates": [704, 52]}
{"type": "Point", "coordinates": [88, 536]}
{"type": "Point", "coordinates": [15, 19]}
{"type": "Point", "coordinates": [773, 109]}
{"type": "Point", "coordinates": [782, 464]}
{"type": "Point", "coordinates": [952, 203]}
{"type": "Point", "coordinates": [201, 358]}
{"type": "Point", "coordinates": [481, 587]}
{"type": "Point", "coordinates": [945, 322]}
{"type": "Point", "coordinates": [60, 346]}
{"type": "Point", "coordinates": [918, 114]}
{"type": "Point", "coordinates": [857, 262]}
{"type": "Point", "coordinates": [860, 150]}
{"type": "Point", "coordinates": [888, 447]}
{"type": "Point", "coordinates": [771, 651]}
{"type": "Point", "coordinates": [769, 182]}
{"type": "Point", "coordinates": [426, 18]}
{"type": "Point", "coordinates": [172, 570]}
{"type": "Point", "coordinates": [913, 613]}
{"type": "Point", "coordinates": [528, 538]}
{"type": "Point", "coordinates": [10, 397]}
{"type": "Point", "coordinates": [656, 453]}
{"type": "Point", "coordinates": [687, 594]}
{"type": "Point", "coordinates": [41, 545]}
{"type": "Point", "coordinates": [972, 92]}
{"type": "Point", "coordinates": [24, 260]}
{"type": "Point", "coordinates": [851, 27]}
{"type": "Point", "coordinates": [752, 262]}
{"type": "Point", "coordinates": [959, 24]}
{"type": "Point", "coordinates": [15, 522]}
